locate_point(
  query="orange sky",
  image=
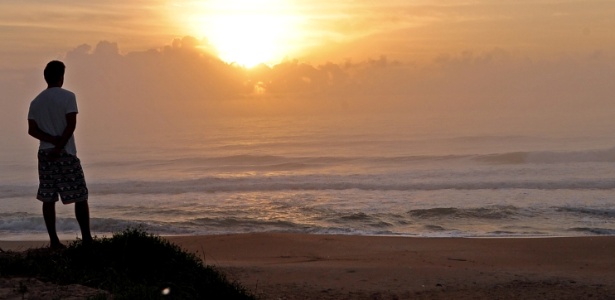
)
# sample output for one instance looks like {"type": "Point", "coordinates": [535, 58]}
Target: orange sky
{"type": "Point", "coordinates": [312, 30]}
{"type": "Point", "coordinates": [507, 63]}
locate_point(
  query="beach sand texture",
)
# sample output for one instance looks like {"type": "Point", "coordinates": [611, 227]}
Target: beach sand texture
{"type": "Point", "coordinates": [298, 266]}
{"type": "Point", "coordinates": [303, 266]}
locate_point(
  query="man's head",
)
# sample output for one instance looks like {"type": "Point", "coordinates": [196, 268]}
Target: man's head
{"type": "Point", "coordinates": [54, 73]}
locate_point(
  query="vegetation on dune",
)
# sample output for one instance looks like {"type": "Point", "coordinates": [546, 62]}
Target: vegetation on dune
{"type": "Point", "coordinates": [130, 265]}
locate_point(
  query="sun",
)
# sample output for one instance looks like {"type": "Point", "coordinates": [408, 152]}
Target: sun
{"type": "Point", "coordinates": [247, 32]}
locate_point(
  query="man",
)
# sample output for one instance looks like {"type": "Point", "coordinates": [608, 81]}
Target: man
{"type": "Point", "coordinates": [52, 119]}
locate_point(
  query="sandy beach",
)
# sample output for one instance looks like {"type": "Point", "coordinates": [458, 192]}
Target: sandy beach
{"type": "Point", "coordinates": [300, 266]}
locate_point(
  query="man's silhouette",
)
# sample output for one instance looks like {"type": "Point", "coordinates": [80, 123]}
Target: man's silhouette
{"type": "Point", "coordinates": [52, 119]}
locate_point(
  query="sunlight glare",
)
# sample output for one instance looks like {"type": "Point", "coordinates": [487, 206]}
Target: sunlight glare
{"type": "Point", "coordinates": [248, 32]}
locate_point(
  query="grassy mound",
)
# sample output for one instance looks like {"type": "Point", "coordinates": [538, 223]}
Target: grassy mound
{"type": "Point", "coordinates": [130, 265]}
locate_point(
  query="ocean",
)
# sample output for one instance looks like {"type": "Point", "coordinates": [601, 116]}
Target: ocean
{"type": "Point", "coordinates": [356, 175]}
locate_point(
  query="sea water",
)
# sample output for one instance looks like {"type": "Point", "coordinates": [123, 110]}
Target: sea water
{"type": "Point", "coordinates": [329, 175]}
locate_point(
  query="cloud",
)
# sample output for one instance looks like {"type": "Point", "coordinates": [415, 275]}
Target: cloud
{"type": "Point", "coordinates": [175, 86]}
{"type": "Point", "coordinates": [37, 28]}
{"type": "Point", "coordinates": [194, 76]}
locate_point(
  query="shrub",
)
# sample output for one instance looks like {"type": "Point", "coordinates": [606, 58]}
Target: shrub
{"type": "Point", "coordinates": [130, 265]}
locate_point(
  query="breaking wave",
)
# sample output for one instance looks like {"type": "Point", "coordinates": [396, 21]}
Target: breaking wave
{"type": "Point", "coordinates": [550, 157]}
{"type": "Point", "coordinates": [318, 183]}
{"type": "Point", "coordinates": [492, 212]}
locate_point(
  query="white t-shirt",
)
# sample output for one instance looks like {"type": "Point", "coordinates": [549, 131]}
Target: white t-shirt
{"type": "Point", "coordinates": [49, 111]}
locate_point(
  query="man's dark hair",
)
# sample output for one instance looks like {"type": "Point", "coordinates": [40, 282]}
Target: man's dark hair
{"type": "Point", "coordinates": [54, 71]}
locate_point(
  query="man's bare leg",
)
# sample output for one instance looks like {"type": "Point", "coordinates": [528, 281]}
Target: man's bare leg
{"type": "Point", "coordinates": [82, 213]}
{"type": "Point", "coordinates": [49, 214]}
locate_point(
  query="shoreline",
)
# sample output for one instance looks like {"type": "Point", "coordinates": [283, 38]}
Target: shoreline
{"type": "Point", "coordinates": [311, 266]}
{"type": "Point", "coordinates": [12, 244]}
{"type": "Point", "coordinates": [10, 239]}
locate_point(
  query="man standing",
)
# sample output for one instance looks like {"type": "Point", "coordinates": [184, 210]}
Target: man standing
{"type": "Point", "coordinates": [52, 119]}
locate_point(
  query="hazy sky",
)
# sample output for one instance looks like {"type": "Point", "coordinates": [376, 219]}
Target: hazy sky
{"type": "Point", "coordinates": [315, 30]}
{"type": "Point", "coordinates": [546, 61]}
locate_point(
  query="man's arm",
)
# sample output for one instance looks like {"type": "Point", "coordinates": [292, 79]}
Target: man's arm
{"type": "Point", "coordinates": [71, 124]}
{"type": "Point", "coordinates": [37, 133]}
{"type": "Point", "coordinates": [58, 141]}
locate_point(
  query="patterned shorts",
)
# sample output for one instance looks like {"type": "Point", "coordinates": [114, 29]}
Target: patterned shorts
{"type": "Point", "coordinates": [62, 176]}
